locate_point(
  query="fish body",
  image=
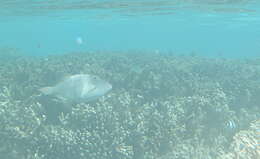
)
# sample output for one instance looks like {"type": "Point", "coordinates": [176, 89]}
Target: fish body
{"type": "Point", "coordinates": [79, 88]}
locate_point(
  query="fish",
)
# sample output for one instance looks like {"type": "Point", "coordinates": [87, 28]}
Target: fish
{"type": "Point", "coordinates": [231, 124]}
{"type": "Point", "coordinates": [78, 88]}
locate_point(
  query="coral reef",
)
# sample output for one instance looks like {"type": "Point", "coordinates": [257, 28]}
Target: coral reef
{"type": "Point", "coordinates": [246, 144]}
{"type": "Point", "coordinates": [161, 106]}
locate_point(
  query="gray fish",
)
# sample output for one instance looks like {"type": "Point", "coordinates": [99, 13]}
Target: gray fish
{"type": "Point", "coordinates": [79, 88]}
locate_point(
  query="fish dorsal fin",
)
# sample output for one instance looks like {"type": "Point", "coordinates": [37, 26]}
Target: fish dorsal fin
{"type": "Point", "coordinates": [46, 90]}
{"type": "Point", "coordinates": [65, 77]}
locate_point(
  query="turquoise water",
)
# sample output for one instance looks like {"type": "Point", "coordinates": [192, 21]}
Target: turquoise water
{"type": "Point", "coordinates": [210, 28]}
{"type": "Point", "coordinates": [162, 105]}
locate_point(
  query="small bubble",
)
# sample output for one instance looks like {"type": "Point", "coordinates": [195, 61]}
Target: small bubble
{"type": "Point", "coordinates": [79, 40]}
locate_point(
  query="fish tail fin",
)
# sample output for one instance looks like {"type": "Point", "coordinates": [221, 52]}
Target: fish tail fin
{"type": "Point", "coordinates": [46, 90]}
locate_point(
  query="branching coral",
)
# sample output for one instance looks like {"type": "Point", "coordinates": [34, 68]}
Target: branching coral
{"type": "Point", "coordinates": [160, 104]}
{"type": "Point", "coordinates": [246, 144]}
{"type": "Point", "coordinates": [19, 125]}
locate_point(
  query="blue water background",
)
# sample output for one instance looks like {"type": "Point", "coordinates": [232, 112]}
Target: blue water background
{"type": "Point", "coordinates": [183, 31]}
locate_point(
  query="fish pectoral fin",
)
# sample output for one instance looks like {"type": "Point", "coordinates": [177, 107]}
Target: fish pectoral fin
{"type": "Point", "coordinates": [86, 91]}
{"type": "Point", "coordinates": [93, 89]}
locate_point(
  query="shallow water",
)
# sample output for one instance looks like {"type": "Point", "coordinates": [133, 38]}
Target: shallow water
{"type": "Point", "coordinates": [212, 28]}
{"type": "Point", "coordinates": [185, 76]}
